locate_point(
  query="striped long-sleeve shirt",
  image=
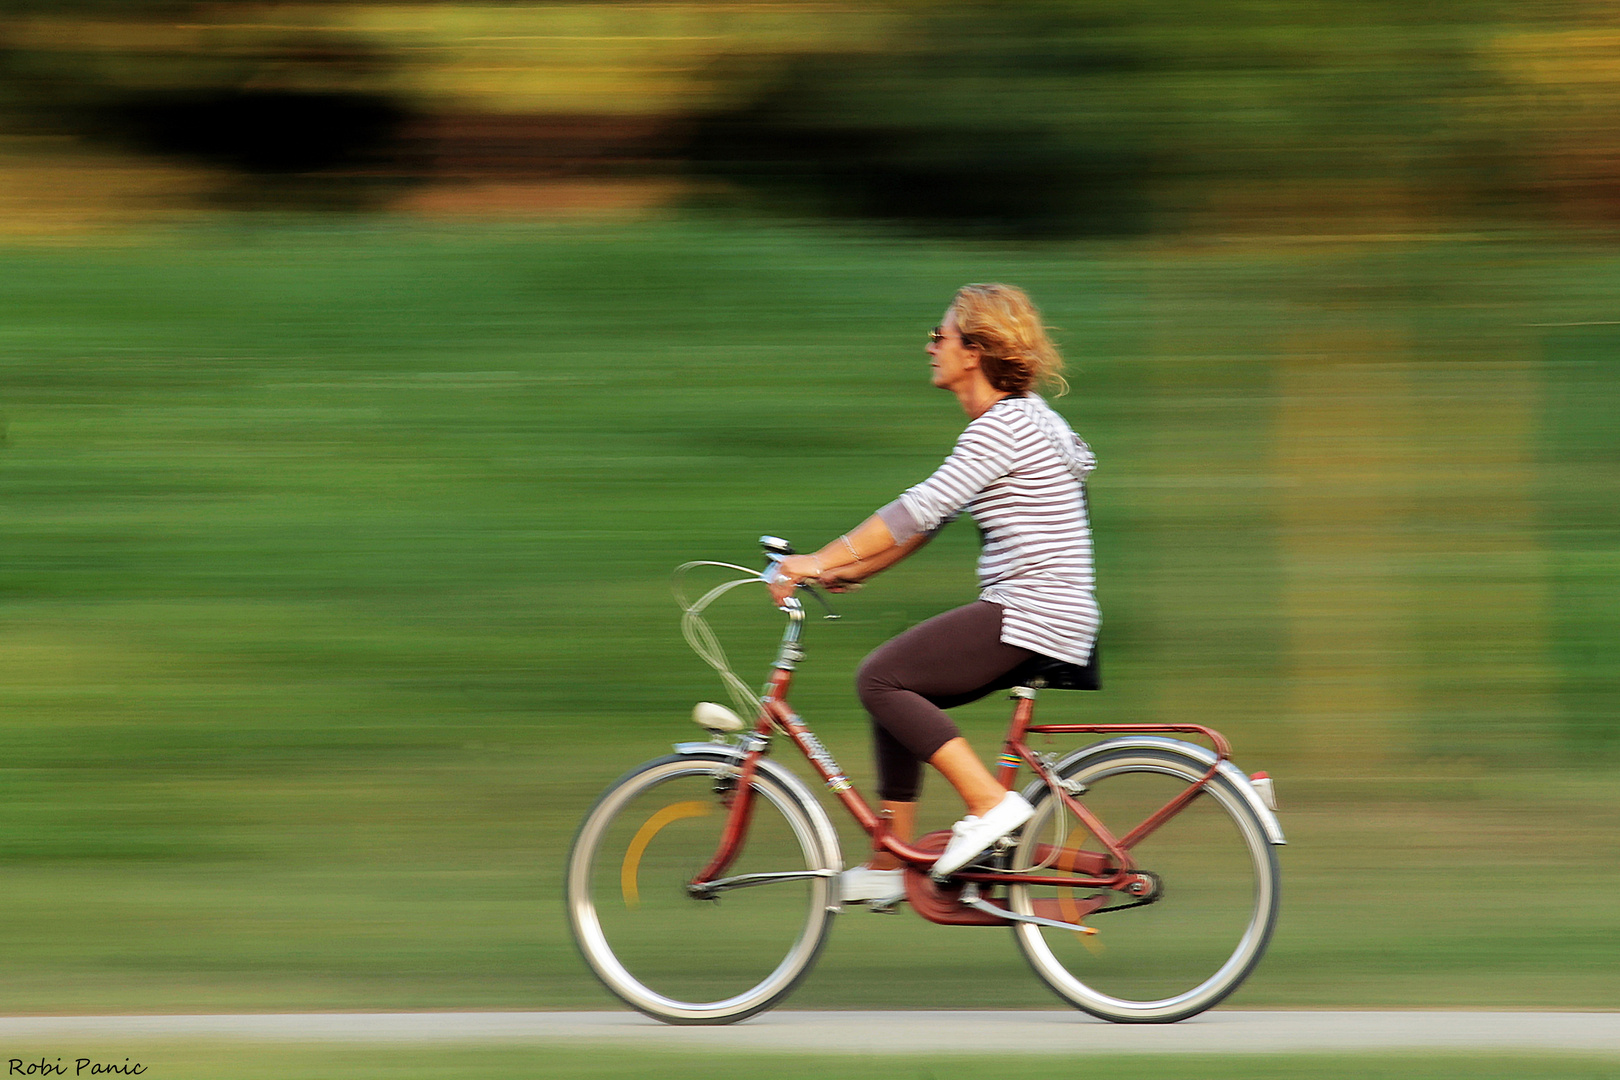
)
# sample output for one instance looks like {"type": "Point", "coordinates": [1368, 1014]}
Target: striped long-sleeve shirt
{"type": "Point", "coordinates": [1020, 472]}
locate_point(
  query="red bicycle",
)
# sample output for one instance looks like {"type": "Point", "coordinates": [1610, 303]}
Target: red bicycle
{"type": "Point", "coordinates": [702, 885]}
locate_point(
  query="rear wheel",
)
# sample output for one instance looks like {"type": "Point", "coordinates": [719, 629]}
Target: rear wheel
{"type": "Point", "coordinates": [1198, 940]}
{"type": "Point", "coordinates": [680, 958]}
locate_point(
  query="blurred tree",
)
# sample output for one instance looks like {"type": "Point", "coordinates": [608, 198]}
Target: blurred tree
{"type": "Point", "coordinates": [261, 102]}
{"type": "Point", "coordinates": [1026, 118]}
{"type": "Point", "coordinates": [266, 132]}
{"type": "Point", "coordinates": [1006, 118]}
{"type": "Point", "coordinates": [1043, 117]}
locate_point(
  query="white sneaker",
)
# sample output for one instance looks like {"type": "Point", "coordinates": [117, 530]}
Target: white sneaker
{"type": "Point", "coordinates": [859, 884]}
{"type": "Point", "coordinates": [972, 835]}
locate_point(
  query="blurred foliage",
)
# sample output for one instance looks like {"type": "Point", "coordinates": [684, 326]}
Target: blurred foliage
{"type": "Point", "coordinates": [160, 81]}
{"type": "Point", "coordinates": [1056, 118]}
{"type": "Point", "coordinates": [339, 93]}
{"type": "Point", "coordinates": [1028, 118]}
{"type": "Point", "coordinates": [1012, 119]}
{"type": "Point", "coordinates": [261, 131]}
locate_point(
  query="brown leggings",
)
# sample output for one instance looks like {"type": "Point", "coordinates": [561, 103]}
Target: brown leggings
{"type": "Point", "coordinates": [949, 660]}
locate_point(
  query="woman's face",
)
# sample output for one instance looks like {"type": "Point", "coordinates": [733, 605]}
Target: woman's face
{"type": "Point", "coordinates": [949, 361]}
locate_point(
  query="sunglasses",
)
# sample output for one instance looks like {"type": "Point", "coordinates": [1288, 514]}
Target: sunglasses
{"type": "Point", "coordinates": [938, 334]}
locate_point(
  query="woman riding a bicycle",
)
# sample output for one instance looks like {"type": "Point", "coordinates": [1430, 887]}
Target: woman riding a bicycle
{"type": "Point", "coordinates": [1020, 472]}
{"type": "Point", "coordinates": [702, 884]}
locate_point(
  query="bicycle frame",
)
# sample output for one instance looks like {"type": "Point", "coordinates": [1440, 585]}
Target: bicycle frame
{"type": "Point", "coordinates": [1113, 869]}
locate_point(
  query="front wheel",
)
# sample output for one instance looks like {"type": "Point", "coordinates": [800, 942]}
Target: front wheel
{"type": "Point", "coordinates": [1209, 924]}
{"type": "Point", "coordinates": [685, 959]}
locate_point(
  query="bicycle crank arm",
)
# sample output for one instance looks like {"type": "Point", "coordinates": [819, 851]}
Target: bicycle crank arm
{"type": "Point", "coordinates": [970, 897]}
{"type": "Point", "coordinates": [707, 889]}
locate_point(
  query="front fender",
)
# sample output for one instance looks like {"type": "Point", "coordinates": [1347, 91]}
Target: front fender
{"type": "Point", "coordinates": [1228, 771]}
{"type": "Point", "coordinates": [825, 833]}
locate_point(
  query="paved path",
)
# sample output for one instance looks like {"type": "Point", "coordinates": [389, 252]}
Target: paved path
{"type": "Point", "coordinates": [1221, 1031]}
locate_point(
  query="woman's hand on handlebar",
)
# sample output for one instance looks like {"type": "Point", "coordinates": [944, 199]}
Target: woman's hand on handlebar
{"type": "Point", "coordinates": [797, 569]}
{"type": "Point", "coordinates": [789, 572]}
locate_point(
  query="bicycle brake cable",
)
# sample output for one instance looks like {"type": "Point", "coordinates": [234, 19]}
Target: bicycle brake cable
{"type": "Point", "coordinates": [702, 639]}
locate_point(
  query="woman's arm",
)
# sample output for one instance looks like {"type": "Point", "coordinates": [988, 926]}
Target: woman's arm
{"type": "Point", "coordinates": [982, 454]}
{"type": "Point", "coordinates": [855, 556]}
{"type": "Point", "coordinates": [836, 579]}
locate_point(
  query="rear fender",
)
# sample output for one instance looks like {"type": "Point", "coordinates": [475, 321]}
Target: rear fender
{"type": "Point", "coordinates": [1205, 757]}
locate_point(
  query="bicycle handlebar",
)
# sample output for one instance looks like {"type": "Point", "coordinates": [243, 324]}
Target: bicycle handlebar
{"type": "Point", "coordinates": [702, 639]}
{"type": "Point", "coordinates": [776, 550]}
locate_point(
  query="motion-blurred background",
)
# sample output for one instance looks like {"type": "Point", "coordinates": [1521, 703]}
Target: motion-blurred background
{"type": "Point", "coordinates": [366, 367]}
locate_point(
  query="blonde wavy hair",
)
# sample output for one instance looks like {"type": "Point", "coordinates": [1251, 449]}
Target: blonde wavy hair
{"type": "Point", "coordinates": [1005, 326]}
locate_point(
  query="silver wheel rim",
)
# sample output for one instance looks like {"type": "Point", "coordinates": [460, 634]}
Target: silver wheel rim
{"type": "Point", "coordinates": [598, 952]}
{"type": "Point", "coordinates": [1225, 978]}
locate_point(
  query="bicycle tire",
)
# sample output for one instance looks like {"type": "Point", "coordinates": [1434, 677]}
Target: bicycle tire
{"type": "Point", "coordinates": [699, 961]}
{"type": "Point", "coordinates": [1185, 952]}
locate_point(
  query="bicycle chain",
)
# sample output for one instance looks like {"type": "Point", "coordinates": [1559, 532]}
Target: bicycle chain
{"type": "Point", "coordinates": [1124, 907]}
{"type": "Point", "coordinates": [998, 863]}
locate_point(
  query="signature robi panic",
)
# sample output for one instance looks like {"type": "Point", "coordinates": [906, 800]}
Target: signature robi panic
{"type": "Point", "coordinates": [80, 1067]}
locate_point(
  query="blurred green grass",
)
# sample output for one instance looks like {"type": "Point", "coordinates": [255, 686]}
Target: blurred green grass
{"type": "Point", "coordinates": [335, 567]}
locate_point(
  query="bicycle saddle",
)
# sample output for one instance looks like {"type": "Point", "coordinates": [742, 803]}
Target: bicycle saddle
{"type": "Point", "coordinates": [1050, 673]}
